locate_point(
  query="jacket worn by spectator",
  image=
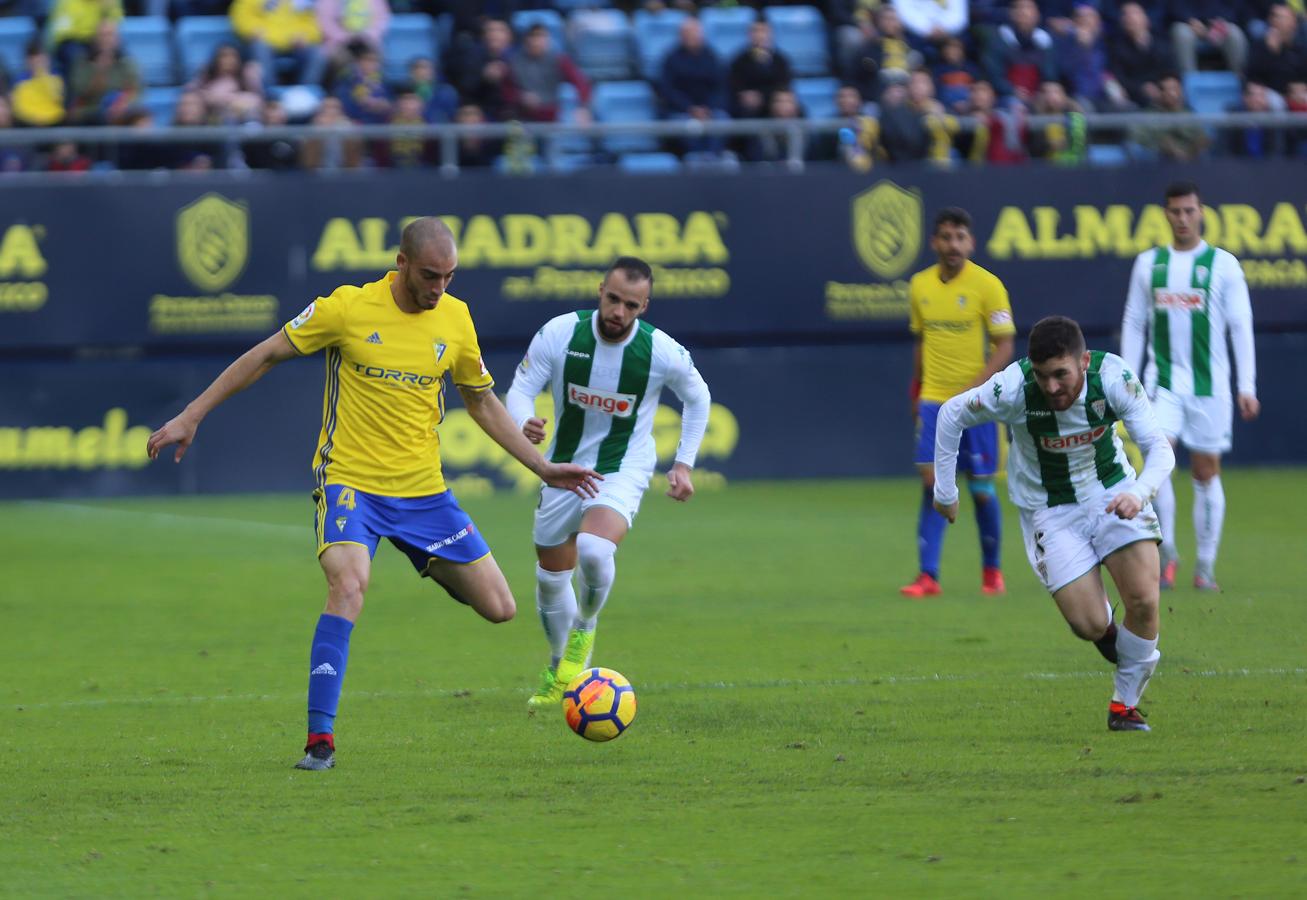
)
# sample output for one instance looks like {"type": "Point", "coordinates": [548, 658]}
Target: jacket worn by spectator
{"type": "Point", "coordinates": [692, 79]}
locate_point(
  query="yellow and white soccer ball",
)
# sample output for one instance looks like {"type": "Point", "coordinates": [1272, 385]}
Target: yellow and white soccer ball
{"type": "Point", "coordinates": [599, 704]}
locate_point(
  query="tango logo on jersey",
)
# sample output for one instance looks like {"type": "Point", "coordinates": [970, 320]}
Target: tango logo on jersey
{"type": "Point", "coordinates": [887, 228]}
{"type": "Point", "coordinates": [456, 536]}
{"type": "Point", "coordinates": [213, 235]}
{"type": "Point", "coordinates": [619, 405]}
{"type": "Point", "coordinates": [1065, 443]}
{"type": "Point", "coordinates": [1178, 299]}
{"type": "Point", "coordinates": [394, 375]}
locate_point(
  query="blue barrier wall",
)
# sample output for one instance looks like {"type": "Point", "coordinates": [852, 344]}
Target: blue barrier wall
{"type": "Point", "coordinates": [790, 291]}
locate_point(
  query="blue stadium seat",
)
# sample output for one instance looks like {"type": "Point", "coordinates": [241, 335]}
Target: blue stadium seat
{"type": "Point", "coordinates": [148, 41]}
{"type": "Point", "coordinates": [197, 38]}
{"type": "Point", "coordinates": [525, 18]}
{"type": "Point", "coordinates": [569, 5]}
{"type": "Point", "coordinates": [817, 96]}
{"type": "Point", "coordinates": [800, 33]}
{"type": "Point", "coordinates": [727, 29]}
{"type": "Point", "coordinates": [15, 32]}
{"type": "Point", "coordinates": [410, 36]}
{"type": "Point", "coordinates": [568, 102]}
{"type": "Point", "coordinates": [625, 101]}
{"type": "Point", "coordinates": [707, 161]}
{"type": "Point", "coordinates": [161, 103]}
{"type": "Point", "coordinates": [1107, 155]}
{"type": "Point", "coordinates": [602, 43]}
{"type": "Point", "coordinates": [649, 163]}
{"type": "Point", "coordinates": [656, 35]}
{"type": "Point", "coordinates": [1210, 92]}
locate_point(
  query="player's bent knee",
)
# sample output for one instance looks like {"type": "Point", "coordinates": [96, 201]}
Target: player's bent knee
{"type": "Point", "coordinates": [595, 555]}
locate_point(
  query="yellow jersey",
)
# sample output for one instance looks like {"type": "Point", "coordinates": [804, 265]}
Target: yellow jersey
{"type": "Point", "coordinates": [385, 391]}
{"type": "Point", "coordinates": [955, 321]}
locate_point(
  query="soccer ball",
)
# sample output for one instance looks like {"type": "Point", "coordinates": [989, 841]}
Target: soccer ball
{"type": "Point", "coordinates": [599, 704]}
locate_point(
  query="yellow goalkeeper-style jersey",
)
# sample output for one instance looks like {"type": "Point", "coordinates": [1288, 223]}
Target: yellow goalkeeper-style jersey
{"type": "Point", "coordinates": [385, 391]}
{"type": "Point", "coordinates": [955, 321]}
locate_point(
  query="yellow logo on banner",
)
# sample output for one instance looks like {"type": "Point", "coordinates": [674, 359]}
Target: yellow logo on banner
{"type": "Point", "coordinates": [887, 224]}
{"type": "Point", "coordinates": [213, 236]}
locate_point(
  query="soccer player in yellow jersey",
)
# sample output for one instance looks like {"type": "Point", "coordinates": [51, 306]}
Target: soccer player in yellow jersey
{"type": "Point", "coordinates": [958, 311]}
{"type": "Point", "coordinates": [390, 344]}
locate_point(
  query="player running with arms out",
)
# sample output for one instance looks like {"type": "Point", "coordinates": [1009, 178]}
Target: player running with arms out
{"type": "Point", "coordinates": [1080, 502]}
{"type": "Point", "coordinates": [1182, 302]}
{"type": "Point", "coordinates": [389, 346]}
{"type": "Point", "coordinates": [957, 309]}
{"type": "Point", "coordinates": [606, 369]}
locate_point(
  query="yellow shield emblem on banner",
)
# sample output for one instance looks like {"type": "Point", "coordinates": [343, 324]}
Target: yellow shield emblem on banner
{"type": "Point", "coordinates": [887, 224]}
{"type": "Point", "coordinates": [213, 238]}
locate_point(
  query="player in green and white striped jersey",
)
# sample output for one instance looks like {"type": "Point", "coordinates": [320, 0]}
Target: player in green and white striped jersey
{"type": "Point", "coordinates": [606, 369]}
{"type": "Point", "coordinates": [1080, 501]}
{"type": "Point", "coordinates": [1182, 302]}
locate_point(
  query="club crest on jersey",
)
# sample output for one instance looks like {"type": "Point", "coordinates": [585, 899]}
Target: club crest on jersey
{"type": "Point", "coordinates": [613, 404]}
{"type": "Point", "coordinates": [1065, 443]}
{"type": "Point", "coordinates": [439, 348]}
{"type": "Point", "coordinates": [1201, 273]}
{"type": "Point", "coordinates": [1099, 407]}
{"type": "Point", "coordinates": [340, 523]}
{"type": "Point", "coordinates": [962, 301]}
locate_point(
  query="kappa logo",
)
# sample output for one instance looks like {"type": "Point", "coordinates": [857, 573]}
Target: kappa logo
{"type": "Point", "coordinates": [373, 338]}
{"type": "Point", "coordinates": [578, 354]}
{"type": "Point", "coordinates": [613, 404]}
{"type": "Point", "coordinates": [213, 237]}
{"type": "Point", "coordinates": [887, 222]}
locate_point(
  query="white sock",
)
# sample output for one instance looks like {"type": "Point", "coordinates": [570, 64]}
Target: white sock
{"type": "Point", "coordinates": [1209, 517]}
{"type": "Point", "coordinates": [1164, 506]}
{"type": "Point", "coordinates": [1137, 658]}
{"type": "Point", "coordinates": [597, 571]}
{"type": "Point", "coordinates": [556, 603]}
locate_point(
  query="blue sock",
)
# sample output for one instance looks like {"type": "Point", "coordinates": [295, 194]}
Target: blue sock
{"type": "Point", "coordinates": [989, 520]}
{"type": "Point", "coordinates": [327, 671]}
{"type": "Point", "coordinates": [930, 534]}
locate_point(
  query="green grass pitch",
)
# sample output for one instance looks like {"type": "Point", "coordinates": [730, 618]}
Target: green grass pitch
{"type": "Point", "coordinates": [802, 731]}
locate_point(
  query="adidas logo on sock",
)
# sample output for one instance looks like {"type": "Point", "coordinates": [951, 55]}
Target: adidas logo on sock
{"type": "Point", "coordinates": [324, 669]}
{"type": "Point", "coordinates": [374, 338]}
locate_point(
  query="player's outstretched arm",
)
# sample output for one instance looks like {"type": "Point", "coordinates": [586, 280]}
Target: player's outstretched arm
{"type": "Point", "coordinates": [247, 369]}
{"type": "Point", "coordinates": [489, 413]}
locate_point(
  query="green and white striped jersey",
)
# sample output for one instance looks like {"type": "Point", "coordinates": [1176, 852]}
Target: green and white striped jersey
{"type": "Point", "coordinates": [1179, 308]}
{"type": "Point", "coordinates": [1059, 457]}
{"type": "Point", "coordinates": [606, 394]}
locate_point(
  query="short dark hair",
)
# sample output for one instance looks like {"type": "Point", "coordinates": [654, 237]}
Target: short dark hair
{"type": "Point", "coordinates": [634, 268]}
{"type": "Point", "coordinates": [1055, 336]}
{"type": "Point", "coordinates": [952, 215]}
{"type": "Point", "coordinates": [1181, 189]}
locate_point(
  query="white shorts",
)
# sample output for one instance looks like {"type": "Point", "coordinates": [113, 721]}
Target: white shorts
{"type": "Point", "coordinates": [1065, 542]}
{"type": "Point", "coordinates": [1200, 423]}
{"type": "Point", "coordinates": [558, 515]}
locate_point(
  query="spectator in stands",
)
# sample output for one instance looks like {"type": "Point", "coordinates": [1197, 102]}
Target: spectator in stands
{"type": "Point", "coordinates": [232, 89]}
{"type": "Point", "coordinates": [439, 100]}
{"type": "Point", "coordinates": [191, 112]}
{"type": "Point", "coordinates": [483, 75]}
{"type": "Point", "coordinates": [1064, 141]}
{"type": "Point", "coordinates": [105, 84]}
{"type": "Point", "coordinates": [1295, 99]}
{"type": "Point", "coordinates": [1000, 134]}
{"type": "Point", "coordinates": [929, 23]}
{"type": "Point", "coordinates": [66, 157]}
{"type": "Point", "coordinates": [954, 76]}
{"type": "Point", "coordinates": [851, 27]}
{"type": "Point", "coordinates": [38, 94]}
{"type": "Point", "coordinates": [1138, 57]}
{"type": "Point", "coordinates": [538, 69]}
{"type": "Point", "coordinates": [335, 151]}
{"type": "Point", "coordinates": [758, 72]}
{"type": "Point", "coordinates": [782, 105]}
{"type": "Point", "coordinates": [12, 159]}
{"type": "Point", "coordinates": [1181, 143]}
{"type": "Point", "coordinates": [903, 135]}
{"type": "Point", "coordinates": [408, 152]}
{"type": "Point", "coordinates": [693, 84]}
{"type": "Point", "coordinates": [146, 156]}
{"type": "Point", "coordinates": [1280, 57]}
{"type": "Point", "coordinates": [73, 25]}
{"type": "Point", "coordinates": [283, 36]}
{"type": "Point", "coordinates": [1200, 26]}
{"type": "Point", "coordinates": [277, 154]}
{"type": "Point", "coordinates": [346, 22]}
{"type": "Point", "coordinates": [362, 90]}
{"type": "Point", "coordinates": [1021, 54]}
{"type": "Point", "coordinates": [475, 152]}
{"type": "Point", "coordinates": [1255, 142]}
{"type": "Point", "coordinates": [1082, 55]}
{"type": "Point", "coordinates": [886, 58]}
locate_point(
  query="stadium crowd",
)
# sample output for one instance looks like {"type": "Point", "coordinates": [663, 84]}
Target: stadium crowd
{"type": "Point", "coordinates": [902, 74]}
